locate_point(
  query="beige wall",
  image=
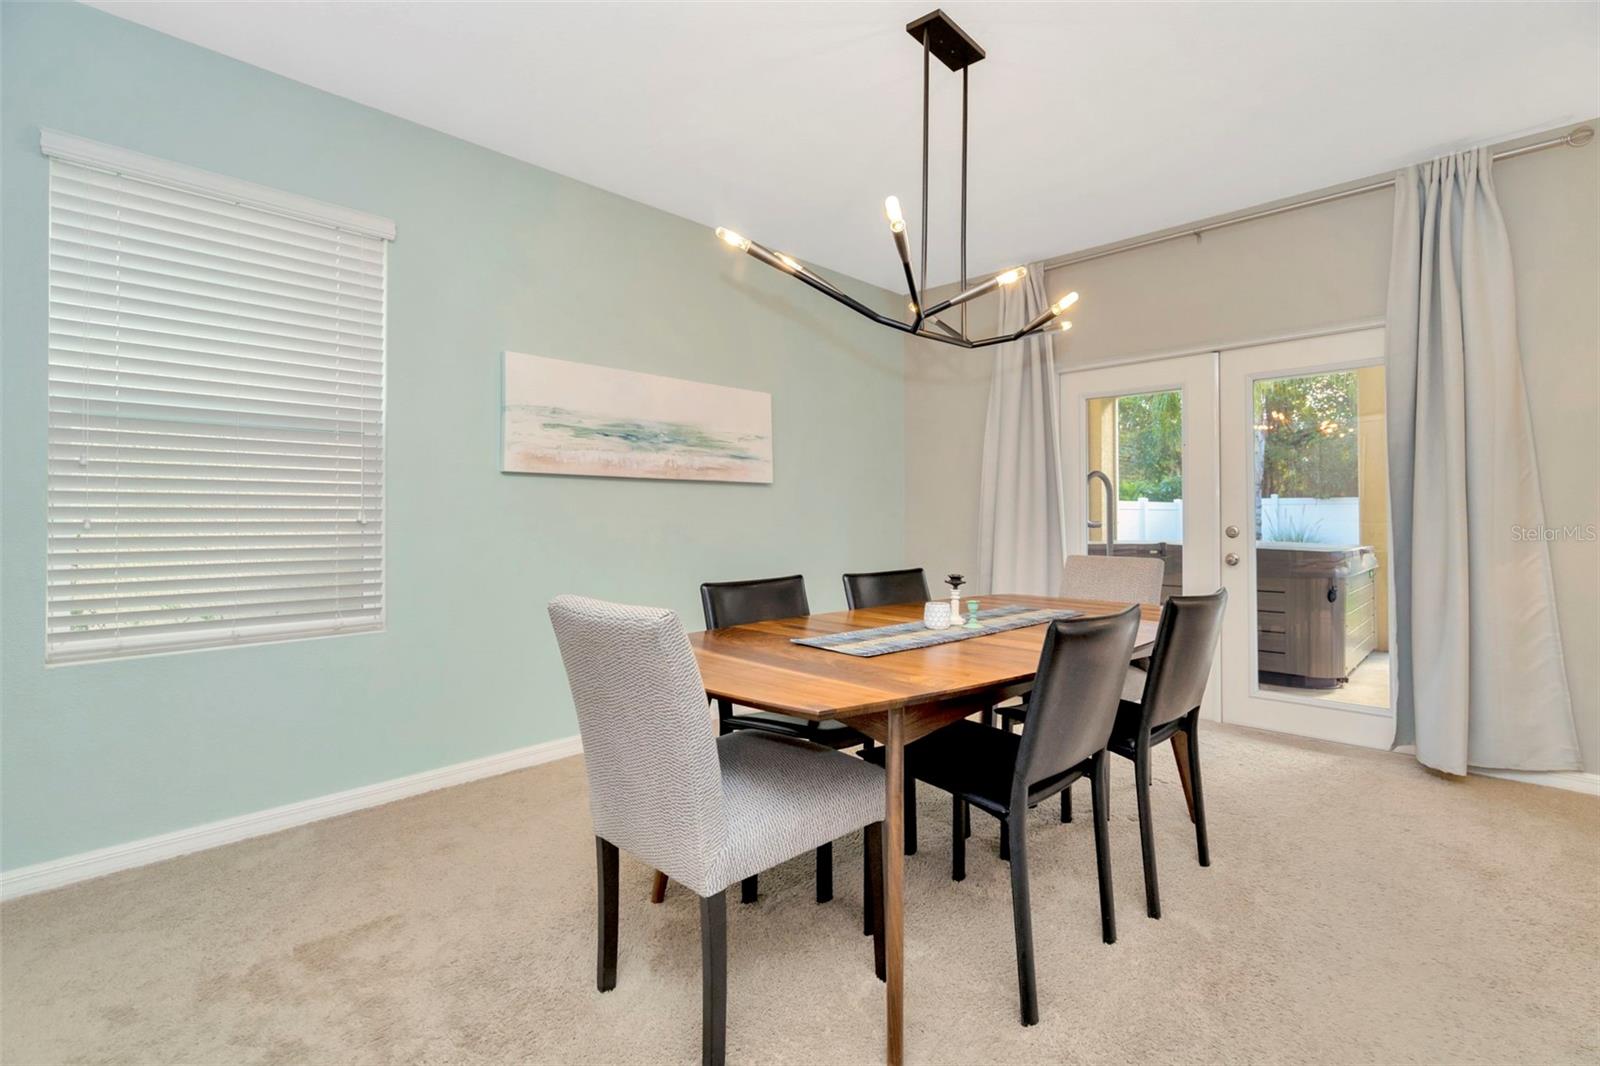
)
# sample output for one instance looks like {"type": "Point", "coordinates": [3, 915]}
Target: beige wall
{"type": "Point", "coordinates": [1323, 265]}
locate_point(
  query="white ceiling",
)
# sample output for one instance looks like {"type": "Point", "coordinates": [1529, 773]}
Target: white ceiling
{"type": "Point", "coordinates": [1091, 122]}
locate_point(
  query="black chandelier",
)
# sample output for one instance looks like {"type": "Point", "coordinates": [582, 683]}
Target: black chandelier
{"type": "Point", "coordinates": [942, 38]}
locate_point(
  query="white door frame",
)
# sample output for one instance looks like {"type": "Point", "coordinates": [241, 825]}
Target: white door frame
{"type": "Point", "coordinates": [1239, 370]}
{"type": "Point", "coordinates": [1195, 376]}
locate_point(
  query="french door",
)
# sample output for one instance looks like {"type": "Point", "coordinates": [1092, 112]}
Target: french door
{"type": "Point", "coordinates": [1139, 458]}
{"type": "Point", "coordinates": [1260, 470]}
{"type": "Point", "coordinates": [1305, 513]}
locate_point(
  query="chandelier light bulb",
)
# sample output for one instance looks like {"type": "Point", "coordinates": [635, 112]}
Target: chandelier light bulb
{"type": "Point", "coordinates": [1012, 276]}
{"type": "Point", "coordinates": [1055, 310]}
{"type": "Point", "coordinates": [891, 211]}
{"type": "Point", "coordinates": [1066, 325]}
{"type": "Point", "coordinates": [897, 228]}
{"type": "Point", "coordinates": [733, 240]}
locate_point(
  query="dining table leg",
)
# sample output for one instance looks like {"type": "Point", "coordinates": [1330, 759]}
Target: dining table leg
{"type": "Point", "coordinates": [894, 882]}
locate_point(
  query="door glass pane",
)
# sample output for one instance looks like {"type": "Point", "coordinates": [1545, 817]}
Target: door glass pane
{"type": "Point", "coordinates": [1321, 536]}
{"type": "Point", "coordinates": [1135, 458]}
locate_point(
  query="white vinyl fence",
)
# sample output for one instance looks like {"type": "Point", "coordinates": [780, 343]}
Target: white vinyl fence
{"type": "Point", "coordinates": [1142, 520]}
{"type": "Point", "coordinates": [1312, 521]}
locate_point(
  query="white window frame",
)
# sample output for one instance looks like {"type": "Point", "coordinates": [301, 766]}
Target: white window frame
{"type": "Point", "coordinates": [127, 640]}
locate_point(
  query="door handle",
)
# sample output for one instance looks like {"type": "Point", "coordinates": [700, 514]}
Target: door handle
{"type": "Point", "coordinates": [1232, 558]}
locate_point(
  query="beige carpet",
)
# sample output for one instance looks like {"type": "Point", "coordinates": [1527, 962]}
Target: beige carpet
{"type": "Point", "coordinates": [1359, 909]}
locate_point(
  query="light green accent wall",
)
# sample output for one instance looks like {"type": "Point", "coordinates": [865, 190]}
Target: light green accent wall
{"type": "Point", "coordinates": [492, 254]}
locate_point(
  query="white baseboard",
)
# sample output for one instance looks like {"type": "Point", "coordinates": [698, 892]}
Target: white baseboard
{"type": "Point", "coordinates": [57, 873]}
{"type": "Point", "coordinates": [81, 867]}
{"type": "Point", "coordinates": [1570, 780]}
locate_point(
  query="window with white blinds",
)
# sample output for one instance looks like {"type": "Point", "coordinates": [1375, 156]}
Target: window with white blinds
{"type": "Point", "coordinates": [216, 379]}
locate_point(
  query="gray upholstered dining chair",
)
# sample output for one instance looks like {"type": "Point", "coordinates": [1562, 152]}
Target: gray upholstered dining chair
{"type": "Point", "coordinates": [706, 810]}
{"type": "Point", "coordinates": [1123, 578]}
{"type": "Point", "coordinates": [1120, 579]}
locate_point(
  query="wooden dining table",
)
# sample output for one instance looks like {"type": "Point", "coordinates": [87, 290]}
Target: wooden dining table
{"type": "Point", "coordinates": [893, 698]}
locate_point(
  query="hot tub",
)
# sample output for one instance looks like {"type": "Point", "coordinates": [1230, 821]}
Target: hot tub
{"type": "Point", "coordinates": [1316, 611]}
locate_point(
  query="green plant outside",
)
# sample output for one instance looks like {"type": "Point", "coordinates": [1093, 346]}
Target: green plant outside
{"type": "Point", "coordinates": [1306, 442]}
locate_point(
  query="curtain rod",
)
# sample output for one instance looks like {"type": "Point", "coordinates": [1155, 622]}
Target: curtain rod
{"type": "Point", "coordinates": [1575, 138]}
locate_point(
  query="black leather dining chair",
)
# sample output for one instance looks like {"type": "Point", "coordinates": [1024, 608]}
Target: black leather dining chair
{"type": "Point", "coordinates": [737, 603]}
{"type": "Point", "coordinates": [1075, 701]}
{"type": "Point", "coordinates": [883, 587]}
{"type": "Point", "coordinates": [1180, 666]}
{"type": "Point", "coordinates": [1121, 579]}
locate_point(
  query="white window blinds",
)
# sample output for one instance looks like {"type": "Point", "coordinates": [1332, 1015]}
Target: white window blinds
{"type": "Point", "coordinates": [216, 376]}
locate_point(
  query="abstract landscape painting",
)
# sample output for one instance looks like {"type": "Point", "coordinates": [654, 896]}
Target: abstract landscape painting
{"type": "Point", "coordinates": [560, 417]}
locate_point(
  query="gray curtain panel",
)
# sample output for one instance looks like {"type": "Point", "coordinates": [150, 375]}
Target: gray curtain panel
{"type": "Point", "coordinates": [1019, 500]}
{"type": "Point", "coordinates": [1478, 667]}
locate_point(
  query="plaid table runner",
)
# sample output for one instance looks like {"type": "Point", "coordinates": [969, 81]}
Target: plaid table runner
{"type": "Point", "coordinates": [907, 635]}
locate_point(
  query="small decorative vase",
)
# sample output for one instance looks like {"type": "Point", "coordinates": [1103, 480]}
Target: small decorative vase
{"type": "Point", "coordinates": [972, 615]}
{"type": "Point", "coordinates": [936, 614]}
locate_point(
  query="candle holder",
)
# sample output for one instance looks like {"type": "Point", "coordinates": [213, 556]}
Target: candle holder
{"type": "Point", "coordinates": [955, 581]}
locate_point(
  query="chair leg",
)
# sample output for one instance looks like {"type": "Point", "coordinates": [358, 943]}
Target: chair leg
{"type": "Point", "coordinates": [868, 899]}
{"type": "Point", "coordinates": [658, 888]}
{"type": "Point", "coordinates": [1202, 845]}
{"type": "Point", "coordinates": [605, 861]}
{"type": "Point", "coordinates": [988, 717]}
{"type": "Point", "coordinates": [966, 821]}
{"type": "Point", "coordinates": [714, 979]}
{"type": "Point", "coordinates": [1099, 786]}
{"type": "Point", "coordinates": [748, 888]}
{"type": "Point", "coordinates": [911, 815]}
{"type": "Point", "coordinates": [1147, 842]}
{"type": "Point", "coordinates": [825, 872]}
{"type": "Point", "coordinates": [1005, 840]}
{"type": "Point", "coordinates": [958, 839]}
{"type": "Point", "coordinates": [1180, 757]}
{"type": "Point", "coordinates": [1022, 917]}
{"type": "Point", "coordinates": [873, 840]}
{"type": "Point", "coordinates": [1066, 805]}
